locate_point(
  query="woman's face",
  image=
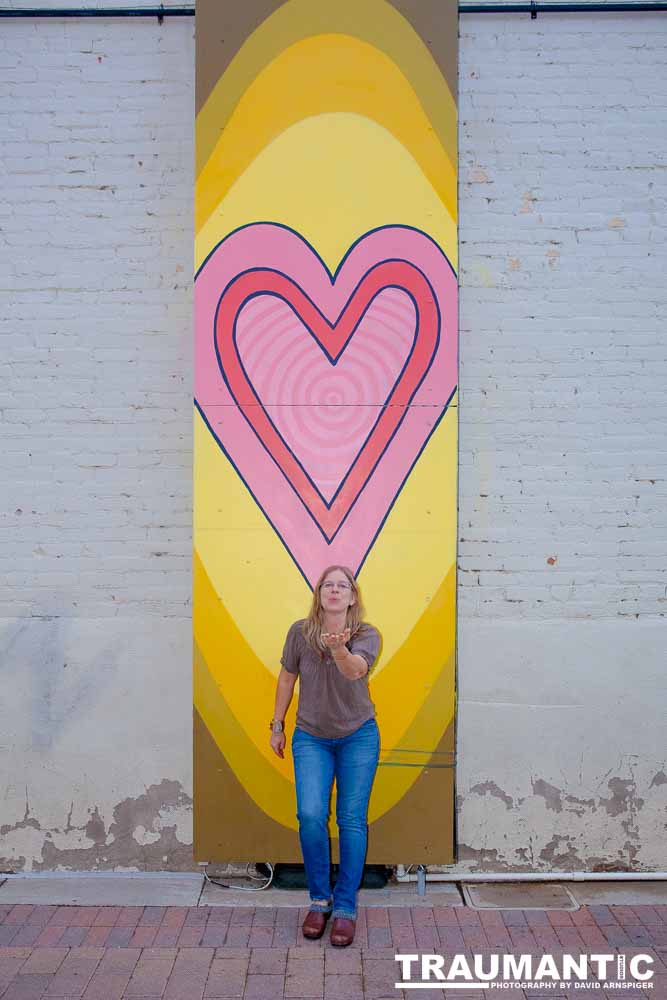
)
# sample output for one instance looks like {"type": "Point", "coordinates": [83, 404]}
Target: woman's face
{"type": "Point", "coordinates": [336, 592]}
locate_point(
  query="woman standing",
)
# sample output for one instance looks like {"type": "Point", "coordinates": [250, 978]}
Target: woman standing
{"type": "Point", "coordinates": [336, 736]}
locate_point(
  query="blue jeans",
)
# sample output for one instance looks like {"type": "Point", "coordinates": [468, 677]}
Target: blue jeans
{"type": "Point", "coordinates": [352, 760]}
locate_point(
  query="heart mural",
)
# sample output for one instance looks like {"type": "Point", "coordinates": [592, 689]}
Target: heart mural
{"type": "Point", "coordinates": [323, 389]}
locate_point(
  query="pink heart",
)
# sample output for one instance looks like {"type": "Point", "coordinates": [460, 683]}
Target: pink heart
{"type": "Point", "coordinates": [332, 339]}
{"type": "Point", "coordinates": [322, 408]}
{"type": "Point", "coordinates": [291, 344]}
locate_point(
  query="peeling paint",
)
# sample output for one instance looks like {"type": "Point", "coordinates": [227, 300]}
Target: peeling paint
{"type": "Point", "coordinates": [556, 800]}
{"type": "Point", "coordinates": [484, 857]}
{"type": "Point", "coordinates": [95, 828]}
{"type": "Point", "coordinates": [551, 795]}
{"type": "Point", "coordinates": [549, 829]}
{"type": "Point", "coordinates": [144, 836]}
{"type": "Point", "coordinates": [622, 797]}
{"type": "Point", "coordinates": [564, 838]}
{"type": "Point", "coordinates": [490, 788]}
{"type": "Point", "coordinates": [151, 832]}
{"type": "Point", "coordinates": [580, 806]}
{"type": "Point", "coordinates": [561, 853]}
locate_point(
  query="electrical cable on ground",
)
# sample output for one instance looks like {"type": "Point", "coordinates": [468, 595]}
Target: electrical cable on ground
{"type": "Point", "coordinates": [246, 888]}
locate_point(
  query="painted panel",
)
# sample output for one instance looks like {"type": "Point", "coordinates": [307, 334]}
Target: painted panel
{"type": "Point", "coordinates": [325, 395]}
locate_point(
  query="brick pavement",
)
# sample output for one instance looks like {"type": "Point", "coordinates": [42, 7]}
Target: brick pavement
{"type": "Point", "coordinates": [196, 953]}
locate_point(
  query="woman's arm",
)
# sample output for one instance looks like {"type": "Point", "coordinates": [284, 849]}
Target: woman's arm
{"type": "Point", "coordinates": [284, 692]}
{"type": "Point", "coordinates": [351, 665]}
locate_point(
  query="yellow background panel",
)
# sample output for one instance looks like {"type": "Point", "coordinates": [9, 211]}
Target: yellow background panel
{"type": "Point", "coordinates": [301, 180]}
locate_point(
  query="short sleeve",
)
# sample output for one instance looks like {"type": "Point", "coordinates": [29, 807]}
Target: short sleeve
{"type": "Point", "coordinates": [291, 656]}
{"type": "Point", "coordinates": [366, 643]}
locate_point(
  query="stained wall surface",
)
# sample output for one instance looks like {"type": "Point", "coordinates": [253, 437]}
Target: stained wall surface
{"type": "Point", "coordinates": [562, 578]}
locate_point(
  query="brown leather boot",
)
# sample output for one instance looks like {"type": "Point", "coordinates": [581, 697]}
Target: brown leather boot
{"type": "Point", "coordinates": [314, 924]}
{"type": "Point", "coordinates": [342, 932]}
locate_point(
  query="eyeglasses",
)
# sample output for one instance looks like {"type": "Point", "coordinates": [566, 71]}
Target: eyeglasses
{"type": "Point", "coordinates": [329, 585]}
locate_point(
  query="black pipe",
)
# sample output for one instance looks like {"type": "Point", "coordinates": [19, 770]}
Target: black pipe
{"type": "Point", "coordinates": [558, 8]}
{"type": "Point", "coordinates": [464, 8]}
{"type": "Point", "coordinates": [158, 12]}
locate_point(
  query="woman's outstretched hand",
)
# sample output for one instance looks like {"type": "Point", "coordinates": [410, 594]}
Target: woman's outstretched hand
{"type": "Point", "coordinates": [336, 640]}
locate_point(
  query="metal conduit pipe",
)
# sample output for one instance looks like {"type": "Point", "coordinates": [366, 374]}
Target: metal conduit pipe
{"type": "Point", "coordinates": [533, 9]}
{"type": "Point", "coordinates": [558, 8]}
{"type": "Point", "coordinates": [403, 876]}
{"type": "Point", "coordinates": [158, 12]}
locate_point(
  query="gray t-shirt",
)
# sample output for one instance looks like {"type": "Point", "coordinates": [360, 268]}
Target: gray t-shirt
{"type": "Point", "coordinates": [330, 704]}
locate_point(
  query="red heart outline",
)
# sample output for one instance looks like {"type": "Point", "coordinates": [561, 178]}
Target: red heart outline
{"type": "Point", "coordinates": [332, 338]}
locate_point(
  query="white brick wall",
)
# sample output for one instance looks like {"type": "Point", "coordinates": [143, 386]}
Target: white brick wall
{"type": "Point", "coordinates": [563, 542]}
{"type": "Point", "coordinates": [563, 362]}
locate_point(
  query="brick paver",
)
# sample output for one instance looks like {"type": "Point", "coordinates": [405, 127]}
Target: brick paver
{"type": "Point", "coordinates": [247, 953]}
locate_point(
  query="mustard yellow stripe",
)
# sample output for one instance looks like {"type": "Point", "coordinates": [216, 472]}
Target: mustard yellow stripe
{"type": "Point", "coordinates": [414, 697]}
{"type": "Point", "coordinates": [270, 784]}
{"type": "Point", "coordinates": [306, 80]}
{"type": "Point", "coordinates": [274, 793]}
{"type": "Point", "coordinates": [373, 21]}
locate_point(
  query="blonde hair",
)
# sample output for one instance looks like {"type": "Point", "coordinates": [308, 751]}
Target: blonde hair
{"type": "Point", "coordinates": [312, 626]}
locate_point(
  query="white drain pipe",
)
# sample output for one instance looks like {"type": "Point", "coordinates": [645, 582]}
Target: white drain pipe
{"type": "Point", "coordinates": [402, 875]}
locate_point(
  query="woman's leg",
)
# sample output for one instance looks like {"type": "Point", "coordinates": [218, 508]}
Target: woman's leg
{"type": "Point", "coordinates": [313, 771]}
{"type": "Point", "coordinates": [356, 763]}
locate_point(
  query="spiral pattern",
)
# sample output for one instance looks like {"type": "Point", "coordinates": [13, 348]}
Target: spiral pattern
{"type": "Point", "coordinates": [324, 412]}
